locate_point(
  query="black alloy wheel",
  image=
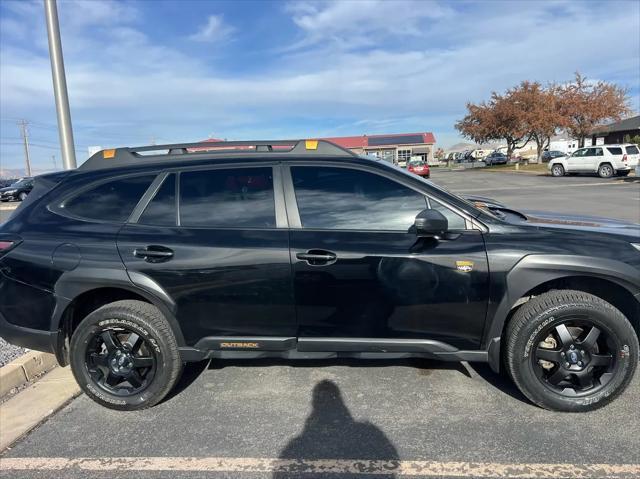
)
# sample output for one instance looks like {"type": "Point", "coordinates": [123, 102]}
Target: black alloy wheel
{"type": "Point", "coordinates": [575, 357]}
{"type": "Point", "coordinates": [124, 355]}
{"type": "Point", "coordinates": [120, 361]}
{"type": "Point", "coordinates": [569, 350]}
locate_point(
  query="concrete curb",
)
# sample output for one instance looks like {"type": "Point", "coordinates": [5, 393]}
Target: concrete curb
{"type": "Point", "coordinates": [24, 369]}
{"type": "Point", "coordinates": [30, 407]}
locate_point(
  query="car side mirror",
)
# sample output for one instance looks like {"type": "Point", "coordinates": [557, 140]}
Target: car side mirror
{"type": "Point", "coordinates": [430, 222]}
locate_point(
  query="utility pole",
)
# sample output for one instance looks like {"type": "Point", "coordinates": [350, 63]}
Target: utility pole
{"type": "Point", "coordinates": [25, 138]}
{"type": "Point", "coordinates": [60, 86]}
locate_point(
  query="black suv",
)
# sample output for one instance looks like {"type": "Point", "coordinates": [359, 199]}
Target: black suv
{"type": "Point", "coordinates": [17, 191]}
{"type": "Point", "coordinates": [146, 258]}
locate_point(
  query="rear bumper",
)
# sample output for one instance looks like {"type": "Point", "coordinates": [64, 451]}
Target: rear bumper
{"type": "Point", "coordinates": [28, 338]}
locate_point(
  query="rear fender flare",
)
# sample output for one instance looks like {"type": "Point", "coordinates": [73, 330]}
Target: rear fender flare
{"type": "Point", "coordinates": [74, 283]}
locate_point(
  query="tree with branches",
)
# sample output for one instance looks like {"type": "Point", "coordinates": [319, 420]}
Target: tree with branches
{"type": "Point", "coordinates": [499, 119]}
{"type": "Point", "coordinates": [586, 104]}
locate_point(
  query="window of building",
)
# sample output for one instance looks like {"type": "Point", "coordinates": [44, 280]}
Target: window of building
{"type": "Point", "coordinates": [404, 155]}
{"type": "Point", "coordinates": [161, 211]}
{"type": "Point", "coordinates": [349, 199]}
{"type": "Point", "coordinates": [227, 198]}
{"type": "Point", "coordinates": [113, 201]}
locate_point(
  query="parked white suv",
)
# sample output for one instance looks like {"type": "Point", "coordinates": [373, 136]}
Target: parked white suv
{"type": "Point", "coordinates": [605, 160]}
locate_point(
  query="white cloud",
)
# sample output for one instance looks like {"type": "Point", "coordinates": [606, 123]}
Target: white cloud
{"type": "Point", "coordinates": [215, 30]}
{"type": "Point", "coordinates": [353, 24]}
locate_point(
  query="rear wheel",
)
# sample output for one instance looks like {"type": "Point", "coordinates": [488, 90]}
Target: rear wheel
{"type": "Point", "coordinates": [124, 355]}
{"type": "Point", "coordinates": [605, 170]}
{"type": "Point", "coordinates": [571, 351]}
{"type": "Point", "coordinates": [557, 170]}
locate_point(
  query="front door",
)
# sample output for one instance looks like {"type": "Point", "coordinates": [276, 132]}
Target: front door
{"type": "Point", "coordinates": [223, 259]}
{"type": "Point", "coordinates": [361, 272]}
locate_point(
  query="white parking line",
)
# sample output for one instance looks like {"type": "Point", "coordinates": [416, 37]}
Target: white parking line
{"type": "Point", "coordinates": [324, 466]}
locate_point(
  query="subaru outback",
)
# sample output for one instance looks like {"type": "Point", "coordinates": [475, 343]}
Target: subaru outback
{"type": "Point", "coordinates": [144, 259]}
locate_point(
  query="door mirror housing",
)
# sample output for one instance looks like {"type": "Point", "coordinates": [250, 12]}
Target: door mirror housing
{"type": "Point", "coordinates": [430, 222]}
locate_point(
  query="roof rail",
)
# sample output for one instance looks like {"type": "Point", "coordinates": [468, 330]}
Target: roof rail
{"type": "Point", "coordinates": [203, 150]}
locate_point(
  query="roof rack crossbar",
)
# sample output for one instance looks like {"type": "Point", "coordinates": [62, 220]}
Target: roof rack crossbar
{"type": "Point", "coordinates": [130, 156]}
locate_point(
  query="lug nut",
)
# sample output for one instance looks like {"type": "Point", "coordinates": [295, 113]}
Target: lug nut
{"type": "Point", "coordinates": [567, 364]}
{"type": "Point", "coordinates": [562, 353]}
{"type": "Point", "coordinates": [579, 363]}
{"type": "Point", "coordinates": [572, 346]}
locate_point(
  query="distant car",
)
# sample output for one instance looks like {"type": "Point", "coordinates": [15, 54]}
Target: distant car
{"type": "Point", "coordinates": [496, 158]}
{"type": "Point", "coordinates": [550, 155]}
{"type": "Point", "coordinates": [419, 167]}
{"type": "Point", "coordinates": [17, 191]}
{"type": "Point", "coordinates": [605, 160]}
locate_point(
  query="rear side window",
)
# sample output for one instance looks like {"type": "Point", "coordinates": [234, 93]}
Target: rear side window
{"type": "Point", "coordinates": [615, 150]}
{"type": "Point", "coordinates": [113, 201]}
{"type": "Point", "coordinates": [632, 150]}
{"type": "Point", "coordinates": [161, 211]}
{"type": "Point", "coordinates": [228, 198]}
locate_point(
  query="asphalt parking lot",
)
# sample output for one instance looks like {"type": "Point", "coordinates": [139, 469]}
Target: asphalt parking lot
{"type": "Point", "coordinates": [286, 419]}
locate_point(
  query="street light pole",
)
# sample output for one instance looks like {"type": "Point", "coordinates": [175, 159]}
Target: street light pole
{"type": "Point", "coordinates": [60, 86]}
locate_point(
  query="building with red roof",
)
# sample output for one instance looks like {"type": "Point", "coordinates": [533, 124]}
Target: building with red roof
{"type": "Point", "coordinates": [395, 148]}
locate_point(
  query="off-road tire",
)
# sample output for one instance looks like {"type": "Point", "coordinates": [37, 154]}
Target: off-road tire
{"type": "Point", "coordinates": [552, 308]}
{"type": "Point", "coordinates": [557, 170]}
{"type": "Point", "coordinates": [605, 170]}
{"type": "Point", "coordinates": [148, 322]}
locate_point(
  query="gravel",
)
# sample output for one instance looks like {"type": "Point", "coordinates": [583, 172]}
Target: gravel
{"type": "Point", "coordinates": [9, 352]}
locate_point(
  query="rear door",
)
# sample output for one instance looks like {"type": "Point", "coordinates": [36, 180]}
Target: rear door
{"type": "Point", "coordinates": [361, 272]}
{"type": "Point", "coordinates": [215, 240]}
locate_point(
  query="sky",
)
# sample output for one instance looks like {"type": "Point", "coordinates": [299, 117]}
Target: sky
{"type": "Point", "coordinates": [141, 72]}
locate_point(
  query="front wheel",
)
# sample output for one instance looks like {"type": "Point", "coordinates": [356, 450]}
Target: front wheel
{"type": "Point", "coordinates": [124, 355]}
{"type": "Point", "coordinates": [571, 351]}
{"type": "Point", "coordinates": [557, 170]}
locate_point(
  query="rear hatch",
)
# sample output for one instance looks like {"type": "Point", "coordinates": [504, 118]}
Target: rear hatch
{"type": "Point", "coordinates": [633, 155]}
{"type": "Point", "coordinates": [42, 185]}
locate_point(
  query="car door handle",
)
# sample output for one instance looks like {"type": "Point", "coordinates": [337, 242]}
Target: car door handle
{"type": "Point", "coordinates": [317, 257]}
{"type": "Point", "coordinates": [153, 254]}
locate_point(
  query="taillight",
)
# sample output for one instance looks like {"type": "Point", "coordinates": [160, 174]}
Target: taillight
{"type": "Point", "coordinates": [7, 245]}
{"type": "Point", "coordinates": [624, 158]}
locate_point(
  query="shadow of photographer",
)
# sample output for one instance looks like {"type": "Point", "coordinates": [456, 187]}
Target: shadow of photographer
{"type": "Point", "coordinates": [331, 433]}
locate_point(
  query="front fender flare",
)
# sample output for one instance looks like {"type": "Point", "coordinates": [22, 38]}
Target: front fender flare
{"type": "Point", "coordinates": [534, 270]}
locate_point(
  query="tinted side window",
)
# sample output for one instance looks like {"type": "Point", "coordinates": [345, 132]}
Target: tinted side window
{"type": "Point", "coordinates": [615, 150]}
{"type": "Point", "coordinates": [112, 201]}
{"type": "Point", "coordinates": [239, 197]}
{"type": "Point", "coordinates": [161, 211]}
{"type": "Point", "coordinates": [456, 222]}
{"type": "Point", "coordinates": [341, 198]}
{"type": "Point", "coordinates": [632, 150]}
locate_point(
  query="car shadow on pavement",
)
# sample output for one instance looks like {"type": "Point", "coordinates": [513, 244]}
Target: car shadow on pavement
{"type": "Point", "coordinates": [499, 381]}
{"type": "Point", "coordinates": [331, 433]}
